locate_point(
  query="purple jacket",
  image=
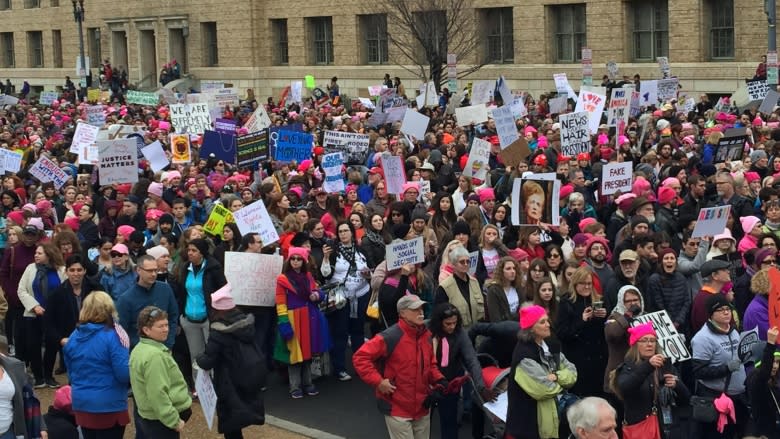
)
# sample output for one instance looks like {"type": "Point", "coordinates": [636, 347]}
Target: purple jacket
{"type": "Point", "coordinates": [757, 316]}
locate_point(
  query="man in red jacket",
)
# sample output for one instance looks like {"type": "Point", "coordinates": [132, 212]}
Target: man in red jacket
{"type": "Point", "coordinates": [399, 363]}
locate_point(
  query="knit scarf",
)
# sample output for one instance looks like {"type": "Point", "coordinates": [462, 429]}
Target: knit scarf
{"type": "Point", "coordinates": [348, 253]}
{"type": "Point", "coordinates": [374, 237]}
{"type": "Point", "coordinates": [300, 281]}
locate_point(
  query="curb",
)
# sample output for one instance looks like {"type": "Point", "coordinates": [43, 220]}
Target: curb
{"type": "Point", "coordinates": [299, 429]}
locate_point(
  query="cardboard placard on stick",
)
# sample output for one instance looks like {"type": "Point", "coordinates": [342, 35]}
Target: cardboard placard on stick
{"type": "Point", "coordinates": [515, 153]}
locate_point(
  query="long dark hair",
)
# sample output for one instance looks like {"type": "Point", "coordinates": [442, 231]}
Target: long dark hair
{"type": "Point", "coordinates": [235, 243]}
{"type": "Point", "coordinates": [440, 313]}
{"type": "Point", "coordinates": [443, 219]}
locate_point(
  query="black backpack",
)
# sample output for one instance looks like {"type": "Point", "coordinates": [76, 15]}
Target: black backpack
{"type": "Point", "coordinates": [246, 361]}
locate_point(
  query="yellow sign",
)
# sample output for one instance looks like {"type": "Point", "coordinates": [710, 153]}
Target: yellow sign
{"type": "Point", "coordinates": [93, 94]}
{"type": "Point", "coordinates": [180, 148]}
{"type": "Point", "coordinates": [217, 220]}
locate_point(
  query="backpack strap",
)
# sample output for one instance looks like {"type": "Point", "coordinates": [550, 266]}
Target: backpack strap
{"type": "Point", "coordinates": [391, 336]}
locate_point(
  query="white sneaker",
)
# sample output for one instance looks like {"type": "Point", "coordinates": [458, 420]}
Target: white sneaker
{"type": "Point", "coordinates": [343, 376]}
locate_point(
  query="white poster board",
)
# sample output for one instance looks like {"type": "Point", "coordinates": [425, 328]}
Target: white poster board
{"type": "Point", "coordinates": [259, 120]}
{"type": "Point", "coordinates": [191, 118]}
{"type": "Point", "coordinates": [505, 126]}
{"type": "Point", "coordinates": [482, 91]}
{"type": "Point", "coordinates": [399, 253]}
{"type": "Point", "coordinates": [95, 115]}
{"type": "Point", "coordinates": [85, 135]}
{"type": "Point", "coordinates": [46, 171]}
{"type": "Point", "coordinates": [672, 343]}
{"type": "Point", "coordinates": [474, 114]}
{"type": "Point", "coordinates": [255, 219]}
{"type": "Point", "coordinates": [207, 397]}
{"type": "Point", "coordinates": [593, 103]}
{"type": "Point", "coordinates": [118, 161]}
{"type": "Point", "coordinates": [395, 177]}
{"type": "Point", "coordinates": [575, 133]}
{"type": "Point", "coordinates": [540, 204]}
{"type": "Point", "coordinates": [252, 277]}
{"type": "Point", "coordinates": [415, 124]}
{"type": "Point", "coordinates": [479, 156]}
{"type": "Point", "coordinates": [616, 177]}
{"type": "Point", "coordinates": [711, 221]}
{"type": "Point", "coordinates": [156, 156]}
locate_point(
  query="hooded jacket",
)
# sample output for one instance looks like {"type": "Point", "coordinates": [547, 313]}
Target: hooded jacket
{"type": "Point", "coordinates": [616, 332]}
{"type": "Point", "coordinates": [668, 291]}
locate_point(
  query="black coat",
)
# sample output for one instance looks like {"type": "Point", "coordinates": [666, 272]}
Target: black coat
{"type": "Point", "coordinates": [88, 234]}
{"type": "Point", "coordinates": [761, 402]}
{"type": "Point", "coordinates": [636, 384]}
{"type": "Point", "coordinates": [374, 253]}
{"type": "Point", "coordinates": [62, 309]}
{"type": "Point", "coordinates": [61, 425]}
{"type": "Point", "coordinates": [583, 344]}
{"type": "Point", "coordinates": [213, 279]}
{"type": "Point", "coordinates": [237, 406]}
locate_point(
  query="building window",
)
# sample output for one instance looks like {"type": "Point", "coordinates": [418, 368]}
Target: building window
{"type": "Point", "coordinates": [93, 47]}
{"type": "Point", "coordinates": [35, 48]}
{"type": "Point", "coordinates": [8, 57]}
{"type": "Point", "coordinates": [721, 28]}
{"type": "Point", "coordinates": [374, 30]}
{"type": "Point", "coordinates": [56, 47]}
{"type": "Point", "coordinates": [5, 5]}
{"type": "Point", "coordinates": [569, 32]}
{"type": "Point", "coordinates": [498, 23]}
{"type": "Point", "coordinates": [279, 29]}
{"type": "Point", "coordinates": [210, 44]}
{"type": "Point", "coordinates": [651, 29]}
{"type": "Point", "coordinates": [30, 4]}
{"type": "Point", "coordinates": [322, 33]}
{"type": "Point", "coordinates": [432, 26]}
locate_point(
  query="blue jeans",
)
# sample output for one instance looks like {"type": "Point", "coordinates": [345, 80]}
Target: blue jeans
{"type": "Point", "coordinates": [9, 434]}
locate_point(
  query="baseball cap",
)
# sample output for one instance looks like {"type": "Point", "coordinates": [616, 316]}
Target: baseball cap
{"type": "Point", "coordinates": [411, 301]}
{"type": "Point", "coordinates": [628, 255]}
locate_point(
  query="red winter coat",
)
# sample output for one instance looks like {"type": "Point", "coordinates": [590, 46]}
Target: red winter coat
{"type": "Point", "coordinates": [411, 367]}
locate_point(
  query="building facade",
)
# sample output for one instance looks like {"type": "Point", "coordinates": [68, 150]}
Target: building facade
{"type": "Point", "coordinates": [712, 45]}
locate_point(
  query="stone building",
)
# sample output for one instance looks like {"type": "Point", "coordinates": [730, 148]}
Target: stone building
{"type": "Point", "coordinates": [712, 45]}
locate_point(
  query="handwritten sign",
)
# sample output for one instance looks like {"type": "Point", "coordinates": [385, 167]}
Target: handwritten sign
{"type": "Point", "coordinates": [479, 156]}
{"type": "Point", "coordinates": [95, 115]}
{"type": "Point", "coordinates": [774, 297]}
{"type": "Point", "coordinates": [671, 342]}
{"type": "Point", "coordinates": [353, 145]}
{"type": "Point", "coordinates": [255, 219]}
{"type": "Point", "coordinates": [191, 118]}
{"type": "Point", "coordinates": [293, 145]}
{"type": "Point", "coordinates": [757, 90]}
{"type": "Point", "coordinates": [395, 176]}
{"type": "Point", "coordinates": [482, 92]}
{"type": "Point", "coordinates": [261, 269]}
{"type": "Point", "coordinates": [46, 171]}
{"type": "Point", "coordinates": [48, 97]}
{"type": "Point", "coordinates": [619, 106]}
{"type": "Point", "coordinates": [259, 120]}
{"type": "Point", "coordinates": [218, 217]}
{"type": "Point", "coordinates": [711, 221]}
{"type": "Point", "coordinates": [559, 105]}
{"type": "Point", "coordinates": [12, 160]}
{"type": "Point", "coordinates": [505, 126]}
{"type": "Point", "coordinates": [251, 148]}
{"type": "Point", "coordinates": [593, 103]}
{"type": "Point", "coordinates": [118, 161]}
{"type": "Point", "coordinates": [85, 134]}
{"type": "Point", "coordinates": [399, 253]}
{"type": "Point", "coordinates": [474, 114]}
{"type": "Point", "coordinates": [89, 155]}
{"type": "Point", "coordinates": [332, 165]}
{"type": "Point", "coordinates": [562, 85]}
{"type": "Point", "coordinates": [667, 89]}
{"type": "Point", "coordinates": [649, 93]}
{"type": "Point", "coordinates": [575, 133]}
{"type": "Point", "coordinates": [616, 177]}
{"type": "Point", "coordinates": [142, 98]}
{"type": "Point", "coordinates": [207, 397]}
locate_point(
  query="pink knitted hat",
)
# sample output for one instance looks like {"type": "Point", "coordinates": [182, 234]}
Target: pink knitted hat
{"type": "Point", "coordinates": [639, 331]}
{"type": "Point", "coordinates": [530, 315]}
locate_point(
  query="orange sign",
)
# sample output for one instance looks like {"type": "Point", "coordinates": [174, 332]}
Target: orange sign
{"type": "Point", "coordinates": [774, 297]}
{"type": "Point", "coordinates": [180, 148]}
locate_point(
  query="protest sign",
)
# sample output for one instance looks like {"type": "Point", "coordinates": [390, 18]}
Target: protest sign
{"type": "Point", "coordinates": [649, 94]}
{"type": "Point", "coordinates": [377, 119]}
{"type": "Point", "coordinates": [310, 83]}
{"type": "Point", "coordinates": [222, 146]}
{"type": "Point", "coordinates": [537, 200]}
{"type": "Point", "coordinates": [399, 253]}
{"type": "Point", "coordinates": [711, 221]}
{"type": "Point", "coordinates": [770, 102]}
{"type": "Point", "coordinates": [296, 91]}
{"type": "Point", "coordinates": [479, 156]}
{"type": "Point", "coordinates": [395, 175]}
{"type": "Point", "coordinates": [366, 102]}
{"type": "Point", "coordinates": [473, 262]}
{"type": "Point", "coordinates": [93, 95]}
{"type": "Point", "coordinates": [255, 218]}
{"type": "Point", "coordinates": [415, 124]}
{"type": "Point", "coordinates": [85, 134]}
{"type": "Point", "coordinates": [180, 148]}
{"type": "Point", "coordinates": [273, 134]}
{"type": "Point", "coordinates": [474, 114]}
{"type": "Point", "coordinates": [118, 161]}
{"type": "Point", "coordinates": [353, 145]}
{"type": "Point", "coordinates": [142, 98]}
{"type": "Point", "coordinates": [224, 97]}
{"type": "Point", "coordinates": [515, 153]}
{"type": "Point", "coordinates": [774, 297]}
{"type": "Point", "coordinates": [592, 103]}
{"type": "Point", "coordinates": [155, 155]}
{"type": "Point", "coordinates": [117, 131]}
{"type": "Point", "coordinates": [663, 65]}
{"type": "Point", "coordinates": [46, 171]}
{"type": "Point", "coordinates": [731, 146]}
{"type": "Point", "coordinates": [616, 177]}
{"type": "Point", "coordinates": [375, 90]}
{"type": "Point", "coordinates": [575, 134]}
{"type": "Point", "coordinates": [504, 91]}
{"type": "Point", "coordinates": [750, 344]}
{"type": "Point", "coordinates": [225, 126]}
{"type": "Point", "coordinates": [217, 219]}
{"type": "Point", "coordinates": [559, 105]}
{"type": "Point", "coordinates": [207, 86]}
{"type": "Point", "coordinates": [88, 155]}
{"type": "Point", "coordinates": [8, 100]}
{"type": "Point", "coordinates": [671, 343]}
{"type": "Point", "coordinates": [667, 89]}
{"type": "Point", "coordinates": [95, 115]}
{"type": "Point", "coordinates": [482, 92]}
{"type": "Point", "coordinates": [262, 269]}
{"type": "Point", "coordinates": [331, 165]}
{"type": "Point", "coordinates": [612, 69]}
{"type": "Point", "coordinates": [191, 118]}
{"type": "Point", "coordinates": [518, 107]}
{"type": "Point", "coordinates": [636, 108]}
{"type": "Point", "coordinates": [505, 126]}
{"type": "Point", "coordinates": [48, 97]}
{"type": "Point", "coordinates": [252, 148]}
{"type": "Point", "coordinates": [619, 106]}
{"type": "Point", "coordinates": [259, 120]}
{"type": "Point", "coordinates": [757, 90]}
{"type": "Point", "coordinates": [293, 145]}
{"type": "Point", "coordinates": [207, 396]}
{"type": "Point", "coordinates": [562, 85]}
{"type": "Point", "coordinates": [12, 160]}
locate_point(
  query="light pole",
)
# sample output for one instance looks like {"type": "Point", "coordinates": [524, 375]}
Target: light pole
{"type": "Point", "coordinates": [78, 15]}
{"type": "Point", "coordinates": [771, 62]}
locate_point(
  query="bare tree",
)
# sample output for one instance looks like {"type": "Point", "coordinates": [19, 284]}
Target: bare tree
{"type": "Point", "coordinates": [423, 32]}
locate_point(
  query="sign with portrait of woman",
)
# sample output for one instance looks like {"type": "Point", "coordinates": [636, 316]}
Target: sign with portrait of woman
{"type": "Point", "coordinates": [535, 200]}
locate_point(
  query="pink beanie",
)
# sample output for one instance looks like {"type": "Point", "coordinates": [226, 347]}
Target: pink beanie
{"type": "Point", "coordinates": [409, 186]}
{"type": "Point", "coordinates": [639, 331]}
{"type": "Point", "coordinates": [670, 180]}
{"type": "Point", "coordinates": [542, 142]}
{"type": "Point", "coordinates": [298, 251]}
{"type": "Point", "coordinates": [625, 201]}
{"type": "Point", "coordinates": [17, 217]}
{"type": "Point", "coordinates": [748, 222]}
{"type": "Point", "coordinates": [666, 195]}
{"type": "Point", "coordinates": [73, 223]}
{"type": "Point", "coordinates": [752, 176]}
{"type": "Point", "coordinates": [585, 222]}
{"type": "Point", "coordinates": [486, 194]}
{"type": "Point", "coordinates": [173, 174]}
{"type": "Point", "coordinates": [565, 191]}
{"type": "Point", "coordinates": [519, 254]}
{"type": "Point", "coordinates": [156, 189]}
{"type": "Point", "coordinates": [125, 231]}
{"type": "Point", "coordinates": [640, 186]}
{"type": "Point", "coordinates": [530, 315]}
{"type": "Point", "coordinates": [603, 139]}
{"type": "Point", "coordinates": [222, 300]}
{"type": "Point", "coordinates": [305, 165]}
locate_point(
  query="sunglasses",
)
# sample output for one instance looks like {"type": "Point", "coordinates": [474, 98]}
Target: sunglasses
{"type": "Point", "coordinates": [116, 254]}
{"type": "Point", "coordinates": [296, 259]}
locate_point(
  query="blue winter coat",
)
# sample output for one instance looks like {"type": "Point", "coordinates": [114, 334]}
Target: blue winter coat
{"type": "Point", "coordinates": [99, 369]}
{"type": "Point", "coordinates": [117, 282]}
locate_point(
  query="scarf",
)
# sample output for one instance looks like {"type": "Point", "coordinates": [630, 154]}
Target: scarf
{"type": "Point", "coordinates": [42, 279]}
{"type": "Point", "coordinates": [348, 254]}
{"type": "Point", "coordinates": [374, 237]}
{"type": "Point", "coordinates": [300, 281]}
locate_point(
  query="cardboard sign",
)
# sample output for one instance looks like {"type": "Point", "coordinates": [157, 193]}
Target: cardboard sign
{"type": "Point", "coordinates": [667, 89]}
{"type": "Point", "coordinates": [415, 124]}
{"type": "Point", "coordinates": [575, 133]}
{"type": "Point", "coordinates": [222, 146]}
{"type": "Point", "coordinates": [191, 118]}
{"type": "Point", "coordinates": [505, 126]}
{"type": "Point", "coordinates": [142, 98]}
{"type": "Point", "coordinates": [261, 269]}
{"type": "Point", "coordinates": [399, 253]}
{"type": "Point", "coordinates": [770, 102]}
{"type": "Point", "coordinates": [593, 104]}
{"type": "Point", "coordinates": [218, 217]}
{"type": "Point", "coordinates": [672, 343]}
{"type": "Point", "coordinates": [95, 115]}
{"type": "Point", "coordinates": [118, 161]}
{"type": "Point", "coordinates": [536, 200]}
{"type": "Point", "coordinates": [731, 146]}
{"type": "Point", "coordinates": [619, 106]}
{"type": "Point", "coordinates": [180, 148]}
{"type": "Point", "coordinates": [258, 121]}
{"type": "Point", "coordinates": [46, 171]}
{"type": "Point", "coordinates": [515, 153]}
{"type": "Point", "coordinates": [332, 165]}
{"type": "Point", "coordinates": [48, 97]}
{"type": "Point", "coordinates": [774, 297]}
{"type": "Point", "coordinates": [472, 115]}
{"type": "Point", "coordinates": [252, 148]}
{"type": "Point", "coordinates": [155, 155]}
{"type": "Point", "coordinates": [711, 221]}
{"type": "Point", "coordinates": [207, 396]}
{"type": "Point", "coordinates": [479, 157]}
{"type": "Point", "coordinates": [293, 145]}
{"type": "Point", "coordinates": [757, 90]}
{"type": "Point", "coordinates": [85, 134]}
{"type": "Point", "coordinates": [354, 146]}
{"type": "Point", "coordinates": [617, 177]}
{"type": "Point", "coordinates": [255, 218]}
{"type": "Point", "coordinates": [559, 105]}
{"type": "Point", "coordinates": [395, 176]}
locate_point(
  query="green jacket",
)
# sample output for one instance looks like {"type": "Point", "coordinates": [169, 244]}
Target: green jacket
{"type": "Point", "coordinates": [159, 388]}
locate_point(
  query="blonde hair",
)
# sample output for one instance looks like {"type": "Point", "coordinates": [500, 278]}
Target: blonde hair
{"type": "Point", "coordinates": [98, 307]}
{"type": "Point", "coordinates": [759, 283]}
{"type": "Point", "coordinates": [581, 275]}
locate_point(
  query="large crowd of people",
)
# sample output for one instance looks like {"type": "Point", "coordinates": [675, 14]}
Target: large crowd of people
{"type": "Point", "coordinates": [123, 283]}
